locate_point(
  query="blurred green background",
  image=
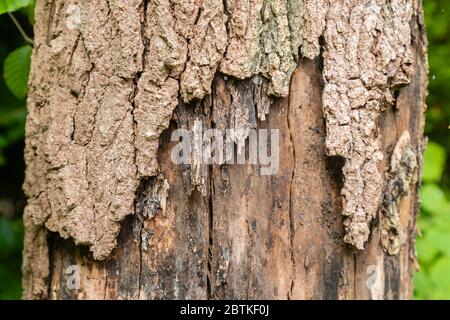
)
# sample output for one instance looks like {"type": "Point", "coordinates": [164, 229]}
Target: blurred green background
{"type": "Point", "coordinates": [433, 246]}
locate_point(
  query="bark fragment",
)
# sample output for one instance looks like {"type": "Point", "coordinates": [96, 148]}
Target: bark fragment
{"type": "Point", "coordinates": [81, 174]}
{"type": "Point", "coordinates": [265, 38]}
{"type": "Point", "coordinates": [403, 174]}
{"type": "Point", "coordinates": [367, 54]}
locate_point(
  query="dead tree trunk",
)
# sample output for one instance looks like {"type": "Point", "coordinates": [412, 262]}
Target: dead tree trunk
{"type": "Point", "coordinates": [111, 215]}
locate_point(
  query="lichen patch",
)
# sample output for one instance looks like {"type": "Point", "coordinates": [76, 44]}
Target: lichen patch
{"type": "Point", "coordinates": [403, 173]}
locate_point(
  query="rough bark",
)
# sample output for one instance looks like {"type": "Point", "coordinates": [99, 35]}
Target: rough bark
{"type": "Point", "coordinates": [344, 82]}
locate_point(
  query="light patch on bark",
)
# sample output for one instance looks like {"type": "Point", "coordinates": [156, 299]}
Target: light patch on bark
{"type": "Point", "coordinates": [367, 54]}
{"type": "Point", "coordinates": [154, 198]}
{"type": "Point", "coordinates": [402, 174]}
{"type": "Point", "coordinates": [80, 152]}
{"type": "Point", "coordinates": [265, 38]}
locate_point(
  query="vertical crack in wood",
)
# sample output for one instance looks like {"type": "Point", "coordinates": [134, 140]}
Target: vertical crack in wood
{"type": "Point", "coordinates": [210, 248]}
{"type": "Point", "coordinates": [291, 191]}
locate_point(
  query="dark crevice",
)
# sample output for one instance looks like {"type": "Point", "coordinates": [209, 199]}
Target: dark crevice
{"type": "Point", "coordinates": [139, 222]}
{"type": "Point", "coordinates": [51, 238]}
{"type": "Point", "coordinates": [334, 166]}
{"type": "Point", "coordinates": [105, 288]}
{"type": "Point", "coordinates": [210, 237]}
{"type": "Point", "coordinates": [143, 184]}
{"type": "Point", "coordinates": [140, 261]}
{"type": "Point", "coordinates": [355, 276]}
{"type": "Point", "coordinates": [51, 14]}
{"type": "Point", "coordinates": [320, 58]}
{"type": "Point", "coordinates": [291, 213]}
{"type": "Point", "coordinates": [144, 202]}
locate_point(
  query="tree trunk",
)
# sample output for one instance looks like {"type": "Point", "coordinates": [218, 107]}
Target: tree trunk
{"type": "Point", "coordinates": [111, 215]}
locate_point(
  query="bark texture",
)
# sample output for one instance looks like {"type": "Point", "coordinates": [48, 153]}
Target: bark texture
{"type": "Point", "coordinates": [344, 82]}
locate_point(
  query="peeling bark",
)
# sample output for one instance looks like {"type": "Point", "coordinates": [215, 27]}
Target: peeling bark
{"type": "Point", "coordinates": [107, 91]}
{"type": "Point", "coordinates": [367, 54]}
{"type": "Point", "coordinates": [403, 174]}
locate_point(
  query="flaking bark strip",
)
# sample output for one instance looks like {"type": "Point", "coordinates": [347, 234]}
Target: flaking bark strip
{"type": "Point", "coordinates": [81, 172]}
{"type": "Point", "coordinates": [152, 198]}
{"type": "Point", "coordinates": [367, 53]}
{"type": "Point", "coordinates": [402, 175]}
{"type": "Point", "coordinates": [265, 38]}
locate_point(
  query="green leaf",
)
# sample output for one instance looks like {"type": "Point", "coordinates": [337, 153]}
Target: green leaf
{"type": "Point", "coordinates": [30, 12]}
{"type": "Point", "coordinates": [422, 284]}
{"type": "Point", "coordinates": [11, 236]}
{"type": "Point", "coordinates": [13, 5]}
{"type": "Point", "coordinates": [433, 199]}
{"type": "Point", "coordinates": [440, 294]}
{"type": "Point", "coordinates": [433, 162]}
{"type": "Point", "coordinates": [16, 69]}
{"type": "Point", "coordinates": [442, 222]}
{"type": "Point", "coordinates": [425, 250]}
{"type": "Point", "coordinates": [10, 280]}
{"type": "Point", "coordinates": [6, 237]}
{"type": "Point", "coordinates": [440, 275]}
{"type": "Point", "coordinates": [439, 240]}
{"type": "Point", "coordinates": [14, 116]}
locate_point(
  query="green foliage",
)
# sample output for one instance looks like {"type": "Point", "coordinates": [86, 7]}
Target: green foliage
{"type": "Point", "coordinates": [14, 65]}
{"type": "Point", "coordinates": [11, 235]}
{"type": "Point", "coordinates": [437, 17]}
{"type": "Point", "coordinates": [433, 248]}
{"type": "Point", "coordinates": [435, 155]}
{"type": "Point", "coordinates": [29, 11]}
{"type": "Point", "coordinates": [13, 5]}
{"type": "Point", "coordinates": [16, 69]}
{"type": "Point", "coordinates": [15, 61]}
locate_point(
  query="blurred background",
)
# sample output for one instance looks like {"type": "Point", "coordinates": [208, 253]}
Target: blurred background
{"type": "Point", "coordinates": [433, 246]}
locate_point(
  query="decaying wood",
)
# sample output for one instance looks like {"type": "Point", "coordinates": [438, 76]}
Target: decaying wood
{"type": "Point", "coordinates": [344, 82]}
